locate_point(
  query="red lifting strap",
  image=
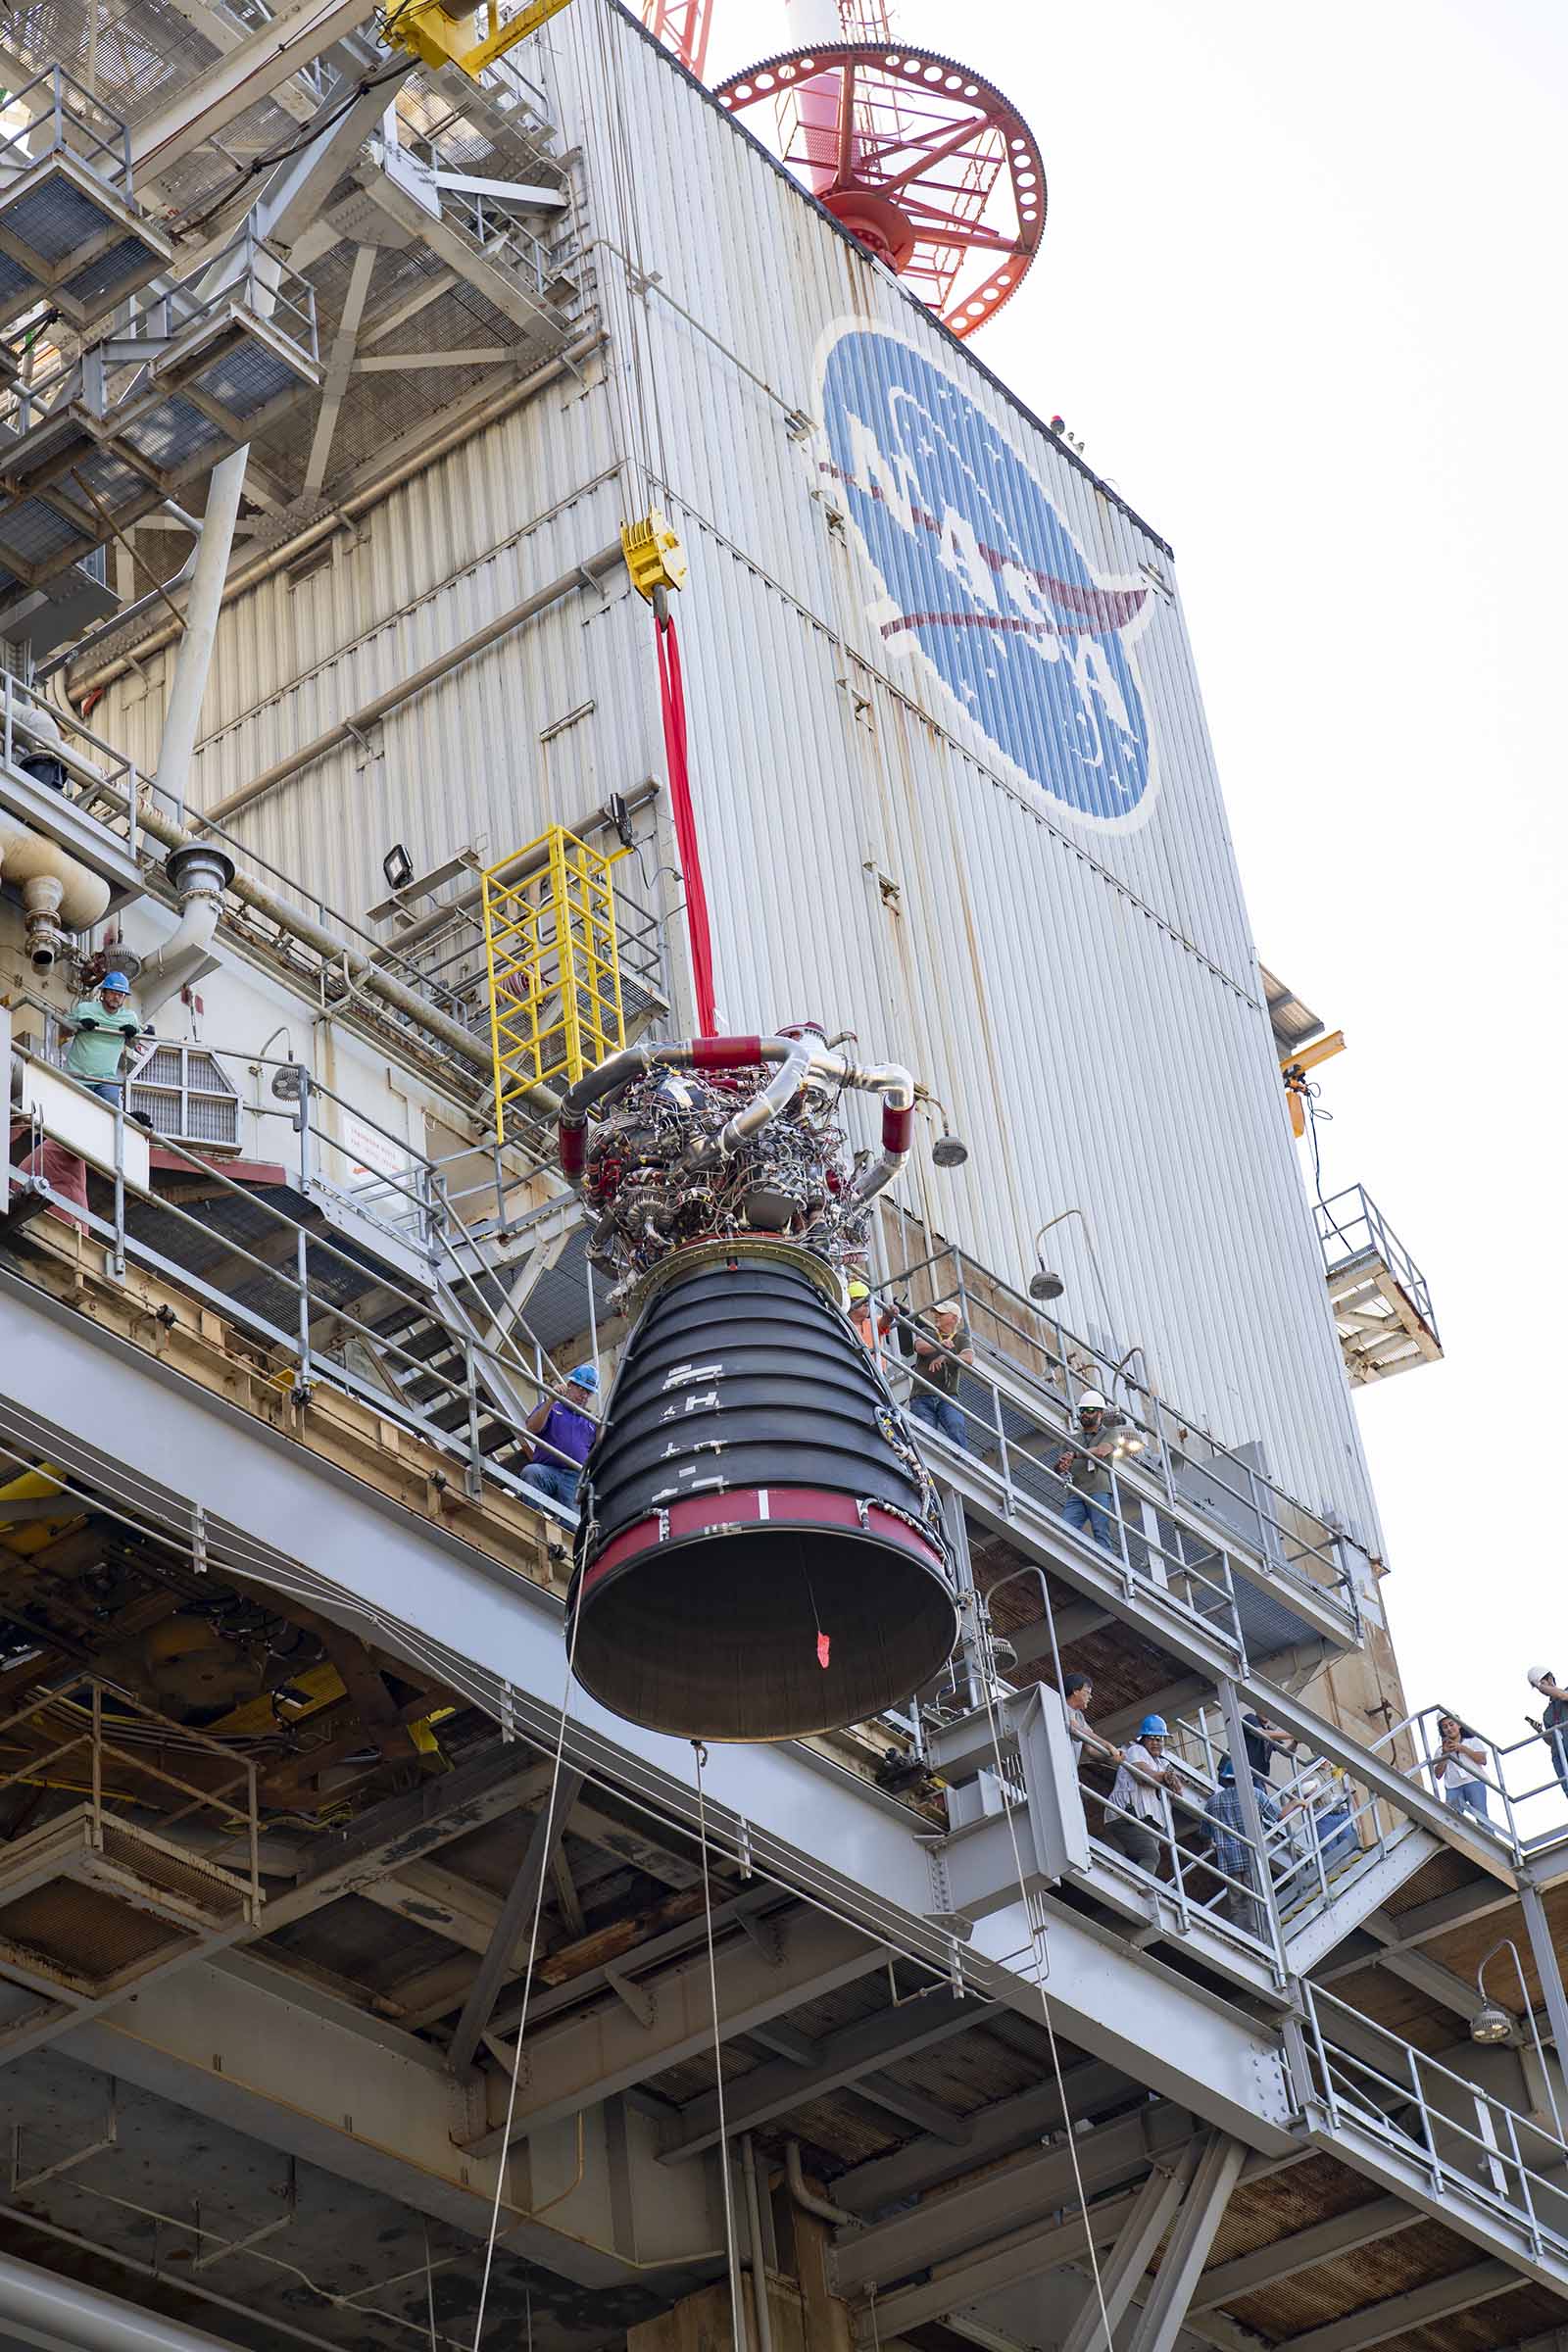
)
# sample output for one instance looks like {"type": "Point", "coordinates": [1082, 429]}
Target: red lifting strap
{"type": "Point", "coordinates": [673, 703]}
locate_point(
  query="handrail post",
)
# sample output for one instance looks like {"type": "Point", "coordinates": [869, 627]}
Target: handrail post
{"type": "Point", "coordinates": [1252, 1818]}
{"type": "Point", "coordinates": [474, 1475]}
{"type": "Point", "coordinates": [116, 1261]}
{"type": "Point", "coordinates": [302, 1278]}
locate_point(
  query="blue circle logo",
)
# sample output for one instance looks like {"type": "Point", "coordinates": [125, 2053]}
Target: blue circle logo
{"type": "Point", "coordinates": [983, 581]}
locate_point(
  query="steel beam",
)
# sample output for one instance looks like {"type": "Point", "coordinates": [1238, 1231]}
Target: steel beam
{"type": "Point", "coordinates": [1159, 2323]}
{"type": "Point", "coordinates": [206, 105]}
{"type": "Point", "coordinates": [842, 2059]}
{"type": "Point", "coordinates": [1543, 1951]}
{"type": "Point", "coordinates": [880, 2089]}
{"type": "Point", "coordinates": [1111, 2290]}
{"type": "Point", "coordinates": [224, 34]}
{"type": "Point", "coordinates": [963, 2216]}
{"type": "Point", "coordinates": [573, 2065]}
{"type": "Point", "coordinates": [319, 1533]}
{"type": "Point", "coordinates": [523, 1898]}
{"type": "Point", "coordinates": [1420, 2307]}
{"type": "Point", "coordinates": [300, 2071]}
{"type": "Point", "coordinates": [1303, 2250]}
{"type": "Point", "coordinates": [1026, 2254]}
{"type": "Point", "coordinates": [994, 2131]}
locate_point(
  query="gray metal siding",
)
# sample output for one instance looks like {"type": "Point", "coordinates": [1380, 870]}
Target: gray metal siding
{"type": "Point", "coordinates": [1084, 996]}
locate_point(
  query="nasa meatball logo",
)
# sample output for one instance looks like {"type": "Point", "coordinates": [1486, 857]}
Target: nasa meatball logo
{"type": "Point", "coordinates": [983, 582]}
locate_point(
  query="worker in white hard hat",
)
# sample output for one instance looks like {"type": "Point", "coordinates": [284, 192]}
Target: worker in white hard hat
{"type": "Point", "coordinates": [1084, 1463]}
{"type": "Point", "coordinates": [1553, 1723]}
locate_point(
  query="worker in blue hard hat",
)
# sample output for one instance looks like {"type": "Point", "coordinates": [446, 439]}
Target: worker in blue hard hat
{"type": "Point", "coordinates": [1138, 1818]}
{"type": "Point", "coordinates": [104, 1024]}
{"type": "Point", "coordinates": [566, 1429]}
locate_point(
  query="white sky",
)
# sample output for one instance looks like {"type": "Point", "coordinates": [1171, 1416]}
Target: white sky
{"type": "Point", "coordinates": [1302, 291]}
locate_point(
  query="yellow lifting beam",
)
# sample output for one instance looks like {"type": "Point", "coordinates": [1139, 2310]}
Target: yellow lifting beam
{"type": "Point", "coordinates": [1293, 1067]}
{"type": "Point", "coordinates": [439, 34]}
{"type": "Point", "coordinates": [554, 963]}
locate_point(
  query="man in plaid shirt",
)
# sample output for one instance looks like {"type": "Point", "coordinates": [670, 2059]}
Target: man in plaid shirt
{"type": "Point", "coordinates": [1233, 1854]}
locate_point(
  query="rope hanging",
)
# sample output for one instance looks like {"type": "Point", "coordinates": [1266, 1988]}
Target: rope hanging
{"type": "Point", "coordinates": [737, 2313]}
{"type": "Point", "coordinates": [523, 2021]}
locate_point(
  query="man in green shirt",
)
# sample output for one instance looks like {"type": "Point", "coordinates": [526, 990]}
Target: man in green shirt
{"type": "Point", "coordinates": [104, 1025]}
{"type": "Point", "coordinates": [941, 1346]}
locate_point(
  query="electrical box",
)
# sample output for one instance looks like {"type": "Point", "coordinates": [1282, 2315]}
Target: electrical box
{"type": "Point", "coordinates": [976, 1870]}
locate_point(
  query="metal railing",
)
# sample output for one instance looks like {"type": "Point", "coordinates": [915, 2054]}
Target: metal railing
{"type": "Point", "coordinates": [70, 120]}
{"type": "Point", "coordinates": [1518, 1794]}
{"type": "Point", "coordinates": [295, 1290]}
{"type": "Point", "coordinates": [1472, 2149]}
{"type": "Point", "coordinates": [1350, 1226]}
{"type": "Point", "coordinates": [1012, 1432]}
{"type": "Point", "coordinates": [1322, 1824]}
{"type": "Point", "coordinates": [91, 1739]}
{"type": "Point", "coordinates": [97, 780]}
{"type": "Point", "coordinates": [1035, 1346]}
{"type": "Point", "coordinates": [1208, 1870]}
{"type": "Point", "coordinates": [105, 785]}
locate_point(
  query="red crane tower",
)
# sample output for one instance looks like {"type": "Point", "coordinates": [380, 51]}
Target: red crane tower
{"type": "Point", "coordinates": [925, 163]}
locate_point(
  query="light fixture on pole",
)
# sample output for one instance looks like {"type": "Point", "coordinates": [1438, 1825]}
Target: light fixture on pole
{"type": "Point", "coordinates": [1493, 2025]}
{"type": "Point", "coordinates": [1045, 1286]}
{"type": "Point", "coordinates": [950, 1151]}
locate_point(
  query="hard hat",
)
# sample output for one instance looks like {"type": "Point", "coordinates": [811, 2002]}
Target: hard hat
{"type": "Point", "coordinates": [1536, 1675]}
{"type": "Point", "coordinates": [116, 980]}
{"type": "Point", "coordinates": [586, 1376]}
{"type": "Point", "coordinates": [1091, 1401]}
{"type": "Point", "coordinates": [1152, 1724]}
{"type": "Point", "coordinates": [858, 1291]}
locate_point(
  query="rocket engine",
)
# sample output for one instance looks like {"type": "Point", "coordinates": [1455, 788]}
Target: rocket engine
{"type": "Point", "coordinates": [760, 1553]}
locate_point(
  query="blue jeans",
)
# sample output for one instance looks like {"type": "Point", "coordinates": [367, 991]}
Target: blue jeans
{"type": "Point", "coordinates": [111, 1089]}
{"type": "Point", "coordinates": [559, 1485]}
{"type": "Point", "coordinates": [1092, 1513]}
{"type": "Point", "coordinates": [941, 1413]}
{"type": "Point", "coordinates": [1469, 1796]}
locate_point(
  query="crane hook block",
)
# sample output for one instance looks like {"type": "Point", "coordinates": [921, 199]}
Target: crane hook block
{"type": "Point", "coordinates": [655, 557]}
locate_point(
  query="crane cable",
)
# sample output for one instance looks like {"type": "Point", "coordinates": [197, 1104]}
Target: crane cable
{"type": "Point", "coordinates": [642, 425]}
{"type": "Point", "coordinates": [683, 814]}
{"type": "Point", "coordinates": [1036, 1945]}
{"type": "Point", "coordinates": [527, 1995]}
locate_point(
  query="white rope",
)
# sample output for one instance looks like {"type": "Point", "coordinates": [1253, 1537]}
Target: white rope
{"type": "Point", "coordinates": [527, 1993]}
{"type": "Point", "coordinates": [737, 2317]}
{"type": "Point", "coordinates": [1036, 1940]}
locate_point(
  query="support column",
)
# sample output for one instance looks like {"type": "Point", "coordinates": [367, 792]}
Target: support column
{"type": "Point", "coordinates": [501, 1955]}
{"type": "Point", "coordinates": [1544, 1952]}
{"type": "Point", "coordinates": [1252, 1811]}
{"type": "Point", "coordinates": [195, 656]}
{"type": "Point", "coordinates": [1123, 2268]}
{"type": "Point", "coordinates": [1159, 2323]}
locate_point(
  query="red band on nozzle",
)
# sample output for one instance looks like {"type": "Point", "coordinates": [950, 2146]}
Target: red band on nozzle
{"type": "Point", "coordinates": [573, 1142]}
{"type": "Point", "coordinates": [897, 1124]}
{"type": "Point", "coordinates": [725, 1053]}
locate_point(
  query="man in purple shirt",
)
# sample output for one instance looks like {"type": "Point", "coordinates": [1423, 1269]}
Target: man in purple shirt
{"type": "Point", "coordinates": [566, 1430]}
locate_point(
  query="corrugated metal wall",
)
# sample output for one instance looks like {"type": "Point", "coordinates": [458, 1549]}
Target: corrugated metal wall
{"type": "Point", "coordinates": [1082, 993]}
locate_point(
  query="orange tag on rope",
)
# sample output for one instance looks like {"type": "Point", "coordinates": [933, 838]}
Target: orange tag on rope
{"type": "Point", "coordinates": [823, 1646]}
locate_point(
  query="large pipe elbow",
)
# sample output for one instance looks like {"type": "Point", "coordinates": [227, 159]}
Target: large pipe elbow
{"type": "Point", "coordinates": [199, 874]}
